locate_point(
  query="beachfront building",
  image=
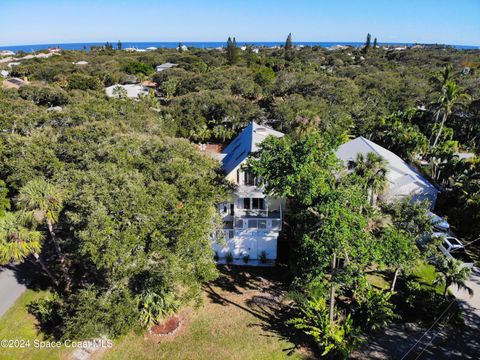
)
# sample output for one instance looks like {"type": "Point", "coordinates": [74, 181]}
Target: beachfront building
{"type": "Point", "coordinates": [252, 219]}
{"type": "Point", "coordinates": [403, 180]}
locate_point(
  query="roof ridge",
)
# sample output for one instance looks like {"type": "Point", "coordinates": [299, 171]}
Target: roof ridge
{"type": "Point", "coordinates": [366, 141]}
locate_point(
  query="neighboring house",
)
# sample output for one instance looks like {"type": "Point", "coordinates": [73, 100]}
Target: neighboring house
{"type": "Point", "coordinates": [132, 91]}
{"type": "Point", "coordinates": [149, 84]}
{"type": "Point", "coordinates": [6, 53]}
{"type": "Point", "coordinates": [14, 83]}
{"type": "Point", "coordinates": [4, 73]}
{"type": "Point", "coordinates": [80, 63]}
{"type": "Point", "coordinates": [403, 180]}
{"type": "Point", "coordinates": [12, 64]}
{"type": "Point", "coordinates": [164, 66]}
{"type": "Point", "coordinates": [252, 220]}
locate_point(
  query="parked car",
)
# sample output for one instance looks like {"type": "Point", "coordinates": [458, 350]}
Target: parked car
{"type": "Point", "coordinates": [439, 223]}
{"type": "Point", "coordinates": [453, 248]}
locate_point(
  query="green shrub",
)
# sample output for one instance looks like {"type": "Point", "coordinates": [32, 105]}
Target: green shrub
{"type": "Point", "coordinates": [44, 95]}
{"type": "Point", "coordinates": [136, 68]}
{"type": "Point", "coordinates": [374, 309]}
{"type": "Point", "coordinates": [263, 257]}
{"type": "Point", "coordinates": [156, 307]}
{"type": "Point", "coordinates": [336, 340]}
{"type": "Point", "coordinates": [83, 82]}
{"type": "Point", "coordinates": [87, 314]}
{"type": "Point", "coordinates": [264, 76]}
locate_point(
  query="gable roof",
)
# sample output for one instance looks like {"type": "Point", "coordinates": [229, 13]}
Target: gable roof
{"type": "Point", "coordinates": [244, 144]}
{"type": "Point", "coordinates": [402, 178]}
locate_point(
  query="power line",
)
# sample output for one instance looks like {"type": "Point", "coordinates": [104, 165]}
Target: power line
{"type": "Point", "coordinates": [433, 338]}
{"type": "Point", "coordinates": [430, 328]}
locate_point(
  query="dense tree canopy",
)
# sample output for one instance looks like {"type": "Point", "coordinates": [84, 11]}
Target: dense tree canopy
{"type": "Point", "coordinates": [137, 198]}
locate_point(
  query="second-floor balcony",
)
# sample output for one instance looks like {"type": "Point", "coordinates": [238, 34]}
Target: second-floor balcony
{"type": "Point", "coordinates": [259, 213]}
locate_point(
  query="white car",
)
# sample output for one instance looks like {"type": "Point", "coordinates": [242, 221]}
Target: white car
{"type": "Point", "coordinates": [453, 248]}
{"type": "Point", "coordinates": [439, 223]}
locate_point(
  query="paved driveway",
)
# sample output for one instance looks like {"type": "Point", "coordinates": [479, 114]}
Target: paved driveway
{"type": "Point", "coordinates": [10, 289]}
{"type": "Point", "coordinates": [472, 303]}
{"type": "Point", "coordinates": [401, 342]}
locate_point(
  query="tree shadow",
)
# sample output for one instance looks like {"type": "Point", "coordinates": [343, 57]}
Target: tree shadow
{"type": "Point", "coordinates": [266, 302]}
{"type": "Point", "coordinates": [238, 279]}
{"type": "Point", "coordinates": [31, 275]}
{"type": "Point", "coordinates": [440, 342]}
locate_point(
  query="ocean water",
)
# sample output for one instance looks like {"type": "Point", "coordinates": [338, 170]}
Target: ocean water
{"type": "Point", "coordinates": [144, 45]}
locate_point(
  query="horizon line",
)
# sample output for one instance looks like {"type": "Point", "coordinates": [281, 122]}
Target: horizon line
{"type": "Point", "coordinates": [238, 42]}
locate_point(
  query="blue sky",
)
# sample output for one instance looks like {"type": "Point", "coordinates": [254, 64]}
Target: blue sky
{"type": "Point", "coordinates": [55, 21]}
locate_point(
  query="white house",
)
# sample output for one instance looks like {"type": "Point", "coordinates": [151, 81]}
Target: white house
{"type": "Point", "coordinates": [164, 66]}
{"type": "Point", "coordinates": [131, 90]}
{"type": "Point", "coordinates": [403, 180]}
{"type": "Point", "coordinates": [252, 220]}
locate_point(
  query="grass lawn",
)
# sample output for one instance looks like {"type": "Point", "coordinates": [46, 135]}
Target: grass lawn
{"type": "Point", "coordinates": [17, 323]}
{"type": "Point", "coordinates": [423, 273]}
{"type": "Point", "coordinates": [232, 323]}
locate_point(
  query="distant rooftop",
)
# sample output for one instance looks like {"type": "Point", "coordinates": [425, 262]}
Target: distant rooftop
{"type": "Point", "coordinates": [166, 65]}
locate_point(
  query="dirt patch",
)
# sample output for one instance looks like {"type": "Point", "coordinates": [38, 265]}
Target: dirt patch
{"type": "Point", "coordinates": [171, 328]}
{"type": "Point", "coordinates": [167, 327]}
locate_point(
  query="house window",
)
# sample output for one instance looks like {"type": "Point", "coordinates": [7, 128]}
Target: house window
{"type": "Point", "coordinates": [246, 203]}
{"type": "Point", "coordinates": [238, 176]}
{"type": "Point", "coordinates": [258, 203]}
{"type": "Point", "coordinates": [252, 224]}
{"type": "Point", "coordinates": [239, 223]}
{"type": "Point", "coordinates": [262, 224]}
{"type": "Point", "coordinates": [249, 179]}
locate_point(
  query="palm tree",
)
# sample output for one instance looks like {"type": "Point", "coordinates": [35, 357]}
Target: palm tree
{"type": "Point", "coordinates": [155, 307]}
{"type": "Point", "coordinates": [18, 242]}
{"type": "Point", "coordinates": [451, 272]}
{"type": "Point", "coordinates": [373, 170]}
{"type": "Point", "coordinates": [451, 95]}
{"type": "Point", "coordinates": [40, 202]}
{"type": "Point", "coordinates": [440, 81]}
